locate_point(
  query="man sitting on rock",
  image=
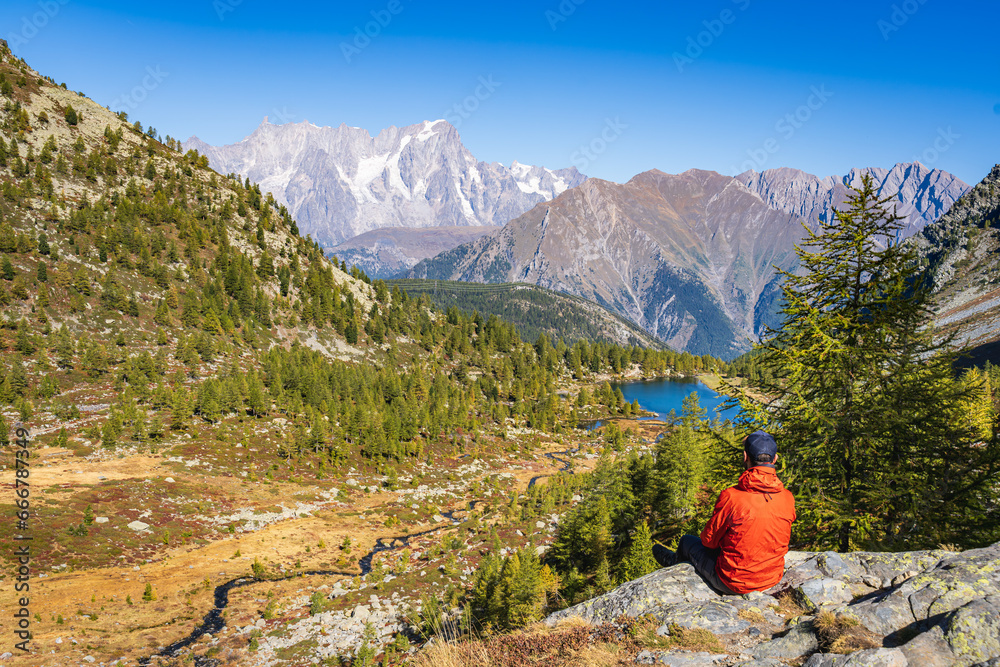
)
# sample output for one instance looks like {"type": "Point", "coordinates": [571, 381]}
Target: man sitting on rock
{"type": "Point", "coordinates": [743, 546]}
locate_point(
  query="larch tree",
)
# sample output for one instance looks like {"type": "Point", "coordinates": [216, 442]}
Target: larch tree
{"type": "Point", "coordinates": [870, 418]}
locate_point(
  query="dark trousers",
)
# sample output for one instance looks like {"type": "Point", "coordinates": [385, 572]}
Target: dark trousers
{"type": "Point", "coordinates": [691, 549]}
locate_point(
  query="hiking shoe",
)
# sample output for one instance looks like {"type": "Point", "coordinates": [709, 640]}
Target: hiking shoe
{"type": "Point", "coordinates": [664, 556]}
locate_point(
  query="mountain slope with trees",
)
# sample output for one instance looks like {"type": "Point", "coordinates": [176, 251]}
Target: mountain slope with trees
{"type": "Point", "coordinates": [535, 311]}
{"type": "Point", "coordinates": [199, 379]}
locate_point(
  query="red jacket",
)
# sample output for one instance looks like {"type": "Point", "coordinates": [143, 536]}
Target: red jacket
{"type": "Point", "coordinates": [752, 525]}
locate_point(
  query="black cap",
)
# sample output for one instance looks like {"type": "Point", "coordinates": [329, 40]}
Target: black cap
{"type": "Point", "coordinates": [758, 443]}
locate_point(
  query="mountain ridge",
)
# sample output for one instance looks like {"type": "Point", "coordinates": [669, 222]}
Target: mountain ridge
{"type": "Point", "coordinates": [341, 181]}
{"type": "Point", "coordinates": [923, 194]}
{"type": "Point", "coordinates": [686, 256]}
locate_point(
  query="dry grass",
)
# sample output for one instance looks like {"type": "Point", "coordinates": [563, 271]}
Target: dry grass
{"type": "Point", "coordinates": [788, 605]}
{"type": "Point", "coordinates": [842, 634]}
{"type": "Point", "coordinates": [751, 615]}
{"type": "Point", "coordinates": [570, 644]}
{"type": "Point", "coordinates": [694, 639]}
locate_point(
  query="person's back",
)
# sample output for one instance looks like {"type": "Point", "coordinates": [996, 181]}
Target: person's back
{"type": "Point", "coordinates": [743, 546]}
{"type": "Point", "coordinates": [751, 527]}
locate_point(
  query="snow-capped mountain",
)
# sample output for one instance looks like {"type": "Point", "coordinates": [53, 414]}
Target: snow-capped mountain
{"type": "Point", "coordinates": [339, 182]}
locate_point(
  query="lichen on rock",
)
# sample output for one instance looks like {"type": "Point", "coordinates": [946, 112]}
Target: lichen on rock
{"type": "Point", "coordinates": [929, 608]}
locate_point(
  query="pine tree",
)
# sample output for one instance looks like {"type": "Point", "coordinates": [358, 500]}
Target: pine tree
{"type": "Point", "coordinates": [866, 408]}
{"type": "Point", "coordinates": [639, 561]}
{"type": "Point", "coordinates": [678, 473]}
{"type": "Point", "coordinates": [8, 239]}
{"type": "Point", "coordinates": [65, 348]}
{"type": "Point", "coordinates": [255, 397]}
{"type": "Point", "coordinates": [979, 406]}
{"type": "Point", "coordinates": [180, 409]}
{"type": "Point", "coordinates": [208, 401]}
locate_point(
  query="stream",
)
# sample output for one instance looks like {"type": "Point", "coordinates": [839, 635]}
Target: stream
{"type": "Point", "coordinates": [555, 457]}
{"type": "Point", "coordinates": [213, 621]}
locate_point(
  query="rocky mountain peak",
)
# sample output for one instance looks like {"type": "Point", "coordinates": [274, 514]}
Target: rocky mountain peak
{"type": "Point", "coordinates": [923, 194]}
{"type": "Point", "coordinates": [341, 181]}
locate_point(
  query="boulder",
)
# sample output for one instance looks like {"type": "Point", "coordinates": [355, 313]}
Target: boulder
{"type": "Point", "coordinates": [951, 583]}
{"type": "Point", "coordinates": [651, 594]}
{"type": "Point", "coordinates": [930, 608]}
{"type": "Point", "coordinates": [715, 616]}
{"type": "Point", "coordinates": [681, 658]}
{"type": "Point", "coordinates": [818, 592]}
{"type": "Point", "coordinates": [798, 641]}
{"type": "Point", "coordinates": [872, 657]}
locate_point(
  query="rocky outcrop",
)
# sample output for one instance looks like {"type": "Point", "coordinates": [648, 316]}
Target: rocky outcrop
{"type": "Point", "coordinates": [960, 251]}
{"type": "Point", "coordinates": [925, 608]}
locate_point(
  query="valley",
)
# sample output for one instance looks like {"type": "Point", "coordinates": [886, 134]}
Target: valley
{"type": "Point", "coordinates": [350, 539]}
{"type": "Point", "coordinates": [329, 395]}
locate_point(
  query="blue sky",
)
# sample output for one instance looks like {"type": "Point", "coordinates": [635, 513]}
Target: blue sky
{"type": "Point", "coordinates": [613, 88]}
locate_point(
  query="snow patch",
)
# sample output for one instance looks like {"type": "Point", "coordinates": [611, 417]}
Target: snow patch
{"type": "Point", "coordinates": [531, 186]}
{"type": "Point", "coordinates": [559, 184]}
{"type": "Point", "coordinates": [427, 133]}
{"type": "Point", "coordinates": [519, 170]}
{"type": "Point", "coordinates": [466, 206]}
{"type": "Point", "coordinates": [370, 168]}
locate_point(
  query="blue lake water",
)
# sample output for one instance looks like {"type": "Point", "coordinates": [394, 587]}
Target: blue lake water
{"type": "Point", "coordinates": [666, 394]}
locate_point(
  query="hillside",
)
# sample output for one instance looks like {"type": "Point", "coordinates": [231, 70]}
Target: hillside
{"type": "Point", "coordinates": [961, 251]}
{"type": "Point", "coordinates": [687, 257]}
{"type": "Point", "coordinates": [216, 411]}
{"type": "Point", "coordinates": [535, 311]}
